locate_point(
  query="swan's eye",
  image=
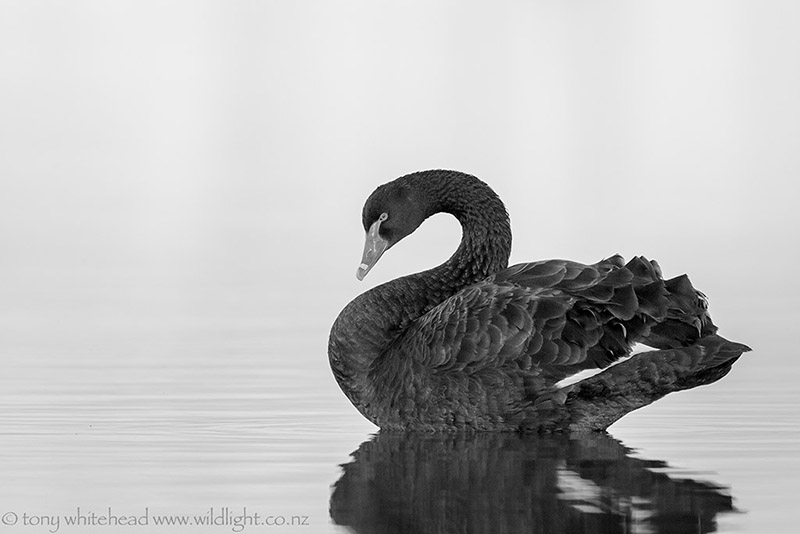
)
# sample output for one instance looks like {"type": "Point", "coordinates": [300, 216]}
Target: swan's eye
{"type": "Point", "coordinates": [383, 216]}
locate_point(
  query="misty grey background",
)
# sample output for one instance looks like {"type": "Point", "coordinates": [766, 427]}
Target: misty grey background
{"type": "Point", "coordinates": [183, 180]}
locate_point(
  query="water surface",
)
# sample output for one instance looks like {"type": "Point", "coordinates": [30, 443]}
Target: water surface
{"type": "Point", "coordinates": [223, 417]}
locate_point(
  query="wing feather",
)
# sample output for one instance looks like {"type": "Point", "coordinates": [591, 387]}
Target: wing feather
{"type": "Point", "coordinates": [544, 320]}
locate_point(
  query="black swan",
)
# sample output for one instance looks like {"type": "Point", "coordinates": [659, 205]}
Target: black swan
{"type": "Point", "coordinates": [475, 345]}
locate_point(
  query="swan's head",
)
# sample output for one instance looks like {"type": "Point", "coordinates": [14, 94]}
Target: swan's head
{"type": "Point", "coordinates": [391, 213]}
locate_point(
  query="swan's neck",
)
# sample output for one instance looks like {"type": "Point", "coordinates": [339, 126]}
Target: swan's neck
{"type": "Point", "coordinates": [486, 236]}
{"type": "Point", "coordinates": [369, 325]}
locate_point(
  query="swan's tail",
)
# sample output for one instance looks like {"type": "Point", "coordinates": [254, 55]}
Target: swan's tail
{"type": "Point", "coordinates": [599, 401]}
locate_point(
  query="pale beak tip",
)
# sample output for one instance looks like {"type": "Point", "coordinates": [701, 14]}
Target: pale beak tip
{"type": "Point", "coordinates": [362, 271]}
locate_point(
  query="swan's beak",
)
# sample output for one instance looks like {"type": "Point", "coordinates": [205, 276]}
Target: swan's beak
{"type": "Point", "coordinates": [374, 247]}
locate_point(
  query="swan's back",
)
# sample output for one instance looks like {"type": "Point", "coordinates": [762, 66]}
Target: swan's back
{"type": "Point", "coordinates": [490, 351]}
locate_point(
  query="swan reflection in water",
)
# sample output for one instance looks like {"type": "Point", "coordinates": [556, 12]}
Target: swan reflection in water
{"type": "Point", "coordinates": [505, 482]}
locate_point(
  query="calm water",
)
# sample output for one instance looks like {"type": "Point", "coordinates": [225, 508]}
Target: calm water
{"type": "Point", "coordinates": [124, 405]}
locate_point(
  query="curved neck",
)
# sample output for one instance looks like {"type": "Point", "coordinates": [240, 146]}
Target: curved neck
{"type": "Point", "coordinates": [374, 320]}
{"type": "Point", "coordinates": [486, 231]}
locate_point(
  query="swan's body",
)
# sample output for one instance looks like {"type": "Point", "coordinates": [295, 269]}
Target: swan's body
{"type": "Point", "coordinates": [474, 345]}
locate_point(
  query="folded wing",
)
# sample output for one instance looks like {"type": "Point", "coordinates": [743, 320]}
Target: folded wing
{"type": "Point", "coordinates": [547, 320]}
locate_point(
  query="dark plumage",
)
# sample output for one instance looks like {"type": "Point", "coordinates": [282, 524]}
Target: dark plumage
{"type": "Point", "coordinates": [475, 345]}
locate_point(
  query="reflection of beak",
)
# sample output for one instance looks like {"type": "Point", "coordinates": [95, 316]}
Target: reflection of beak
{"type": "Point", "coordinates": [374, 247]}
